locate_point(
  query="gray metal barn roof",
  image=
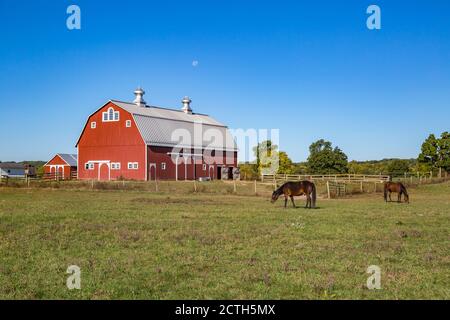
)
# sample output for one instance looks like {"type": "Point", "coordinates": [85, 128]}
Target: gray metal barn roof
{"type": "Point", "coordinates": [163, 127]}
{"type": "Point", "coordinates": [71, 159]}
{"type": "Point", "coordinates": [11, 165]}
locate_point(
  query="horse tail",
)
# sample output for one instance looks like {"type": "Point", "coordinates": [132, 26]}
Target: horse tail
{"type": "Point", "coordinates": [313, 195]}
{"type": "Point", "coordinates": [385, 192]}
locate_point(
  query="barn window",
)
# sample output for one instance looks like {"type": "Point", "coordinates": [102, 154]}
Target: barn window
{"type": "Point", "coordinates": [132, 165]}
{"type": "Point", "coordinates": [115, 166]}
{"type": "Point", "coordinates": [93, 125]}
{"type": "Point", "coordinates": [163, 166]}
{"type": "Point", "coordinates": [110, 115]}
{"type": "Point", "coordinates": [128, 123]}
{"type": "Point", "coordinates": [89, 166]}
{"type": "Point", "coordinates": [204, 167]}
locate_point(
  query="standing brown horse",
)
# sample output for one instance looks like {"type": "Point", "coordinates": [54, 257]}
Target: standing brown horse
{"type": "Point", "coordinates": [397, 187]}
{"type": "Point", "coordinates": [291, 189]}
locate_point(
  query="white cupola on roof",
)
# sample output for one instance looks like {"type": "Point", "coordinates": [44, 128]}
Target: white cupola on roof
{"type": "Point", "coordinates": [139, 100]}
{"type": "Point", "coordinates": [186, 105]}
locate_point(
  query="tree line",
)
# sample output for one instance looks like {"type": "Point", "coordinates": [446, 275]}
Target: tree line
{"type": "Point", "coordinates": [325, 159]}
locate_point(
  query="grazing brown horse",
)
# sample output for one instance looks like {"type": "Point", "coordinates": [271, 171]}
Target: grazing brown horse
{"type": "Point", "coordinates": [397, 187]}
{"type": "Point", "coordinates": [298, 188]}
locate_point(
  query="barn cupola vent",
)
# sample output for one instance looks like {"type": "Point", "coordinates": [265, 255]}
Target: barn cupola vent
{"type": "Point", "coordinates": [139, 101]}
{"type": "Point", "coordinates": [186, 105]}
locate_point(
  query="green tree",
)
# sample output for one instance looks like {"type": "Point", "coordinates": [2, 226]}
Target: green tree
{"type": "Point", "coordinates": [398, 167]}
{"type": "Point", "coordinates": [429, 154]}
{"type": "Point", "coordinates": [285, 163]}
{"type": "Point", "coordinates": [248, 171]}
{"type": "Point", "coordinates": [323, 159]}
{"type": "Point", "coordinates": [300, 168]}
{"type": "Point", "coordinates": [435, 152]}
{"type": "Point", "coordinates": [444, 151]}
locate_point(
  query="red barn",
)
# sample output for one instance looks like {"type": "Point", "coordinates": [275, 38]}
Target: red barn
{"type": "Point", "coordinates": [123, 140]}
{"type": "Point", "coordinates": [61, 166]}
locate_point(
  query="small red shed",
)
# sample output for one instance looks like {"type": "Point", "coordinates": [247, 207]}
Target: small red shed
{"type": "Point", "coordinates": [61, 166]}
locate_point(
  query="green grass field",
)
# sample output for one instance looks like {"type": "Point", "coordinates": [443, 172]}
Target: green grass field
{"type": "Point", "coordinates": [137, 244]}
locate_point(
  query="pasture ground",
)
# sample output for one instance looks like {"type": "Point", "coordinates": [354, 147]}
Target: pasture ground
{"type": "Point", "coordinates": [137, 244]}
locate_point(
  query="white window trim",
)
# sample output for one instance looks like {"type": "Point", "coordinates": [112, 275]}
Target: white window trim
{"type": "Point", "coordinates": [90, 166]}
{"type": "Point", "coordinates": [163, 166]}
{"type": "Point", "coordinates": [107, 114]}
{"type": "Point", "coordinates": [93, 125]}
{"type": "Point", "coordinates": [204, 167]}
{"type": "Point", "coordinates": [133, 166]}
{"type": "Point", "coordinates": [115, 165]}
{"type": "Point", "coordinates": [128, 123]}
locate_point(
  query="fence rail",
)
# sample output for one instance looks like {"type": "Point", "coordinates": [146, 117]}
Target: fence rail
{"type": "Point", "coordinates": [58, 176]}
{"type": "Point", "coordinates": [336, 189]}
{"type": "Point", "coordinates": [327, 177]}
{"type": "Point", "coordinates": [325, 188]}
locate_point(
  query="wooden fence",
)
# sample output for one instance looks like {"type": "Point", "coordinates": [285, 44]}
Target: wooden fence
{"type": "Point", "coordinates": [337, 185]}
{"type": "Point", "coordinates": [336, 189]}
{"type": "Point", "coordinates": [342, 178]}
{"type": "Point", "coordinates": [58, 176]}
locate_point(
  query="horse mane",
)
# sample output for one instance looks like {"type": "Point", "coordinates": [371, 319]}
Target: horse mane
{"type": "Point", "coordinates": [280, 189]}
{"type": "Point", "coordinates": [404, 188]}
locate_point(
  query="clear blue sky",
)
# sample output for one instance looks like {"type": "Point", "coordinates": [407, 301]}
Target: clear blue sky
{"type": "Point", "coordinates": [310, 68]}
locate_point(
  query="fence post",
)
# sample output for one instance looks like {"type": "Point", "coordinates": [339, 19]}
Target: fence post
{"type": "Point", "coordinates": [361, 187]}
{"type": "Point", "coordinates": [92, 183]}
{"type": "Point", "coordinates": [328, 190]}
{"type": "Point", "coordinates": [375, 187]}
{"type": "Point", "coordinates": [234, 186]}
{"type": "Point", "coordinates": [195, 186]}
{"type": "Point", "coordinates": [255, 187]}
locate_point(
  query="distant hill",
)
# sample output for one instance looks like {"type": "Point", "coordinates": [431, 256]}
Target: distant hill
{"type": "Point", "coordinates": [35, 163]}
